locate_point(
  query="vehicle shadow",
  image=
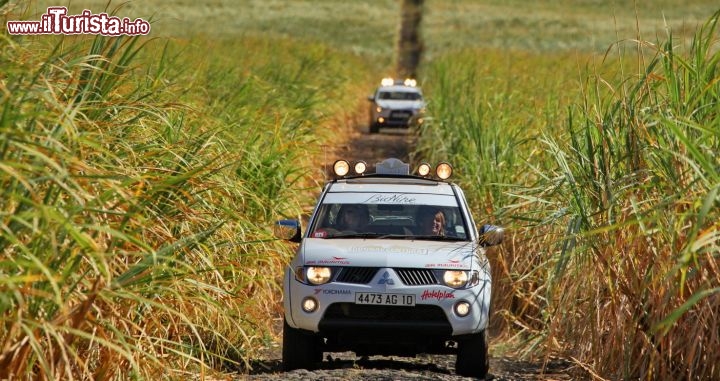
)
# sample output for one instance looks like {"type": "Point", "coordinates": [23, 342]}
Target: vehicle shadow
{"type": "Point", "coordinates": [331, 362]}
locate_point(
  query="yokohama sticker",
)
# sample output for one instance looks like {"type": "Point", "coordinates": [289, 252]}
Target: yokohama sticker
{"type": "Point", "coordinates": [332, 292]}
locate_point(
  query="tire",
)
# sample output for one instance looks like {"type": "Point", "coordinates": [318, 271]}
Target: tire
{"type": "Point", "coordinates": [300, 349]}
{"type": "Point", "coordinates": [472, 357]}
{"type": "Point", "coordinates": [374, 128]}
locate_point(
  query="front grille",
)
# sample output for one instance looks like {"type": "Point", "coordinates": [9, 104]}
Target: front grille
{"type": "Point", "coordinates": [416, 277]}
{"type": "Point", "coordinates": [357, 275]}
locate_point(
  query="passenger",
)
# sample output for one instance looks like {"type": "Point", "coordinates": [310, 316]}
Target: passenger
{"type": "Point", "coordinates": [431, 222]}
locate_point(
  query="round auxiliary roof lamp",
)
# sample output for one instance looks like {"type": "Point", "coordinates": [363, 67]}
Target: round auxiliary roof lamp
{"type": "Point", "coordinates": [341, 168]}
{"type": "Point", "coordinates": [360, 167]}
{"type": "Point", "coordinates": [443, 171]}
{"type": "Point", "coordinates": [424, 169]}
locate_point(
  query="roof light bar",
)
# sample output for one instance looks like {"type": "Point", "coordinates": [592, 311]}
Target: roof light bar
{"type": "Point", "coordinates": [392, 166]}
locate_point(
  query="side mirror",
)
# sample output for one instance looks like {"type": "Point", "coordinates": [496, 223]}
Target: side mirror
{"type": "Point", "coordinates": [288, 230]}
{"type": "Point", "coordinates": [491, 235]}
{"type": "Point", "coordinates": [371, 98]}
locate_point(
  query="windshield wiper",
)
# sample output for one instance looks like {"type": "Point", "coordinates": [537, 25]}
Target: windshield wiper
{"type": "Point", "coordinates": [394, 236]}
{"type": "Point", "coordinates": [357, 235]}
{"type": "Point", "coordinates": [435, 238]}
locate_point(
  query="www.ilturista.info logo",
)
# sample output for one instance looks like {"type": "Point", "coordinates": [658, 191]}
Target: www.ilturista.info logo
{"type": "Point", "coordinates": [56, 21]}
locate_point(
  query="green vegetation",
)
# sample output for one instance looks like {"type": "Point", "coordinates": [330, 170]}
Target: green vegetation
{"type": "Point", "coordinates": [139, 176]}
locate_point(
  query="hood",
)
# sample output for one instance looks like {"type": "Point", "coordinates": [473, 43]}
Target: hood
{"type": "Point", "coordinates": [387, 253]}
{"type": "Point", "coordinates": [400, 104]}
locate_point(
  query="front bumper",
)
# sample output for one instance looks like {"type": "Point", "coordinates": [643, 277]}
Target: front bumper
{"type": "Point", "coordinates": [397, 118]}
{"type": "Point", "coordinates": [433, 312]}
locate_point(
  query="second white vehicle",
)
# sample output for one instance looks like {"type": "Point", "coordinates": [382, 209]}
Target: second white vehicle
{"type": "Point", "coordinates": [396, 104]}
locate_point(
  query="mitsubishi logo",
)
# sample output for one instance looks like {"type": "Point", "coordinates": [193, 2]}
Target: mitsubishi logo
{"type": "Point", "coordinates": [386, 279]}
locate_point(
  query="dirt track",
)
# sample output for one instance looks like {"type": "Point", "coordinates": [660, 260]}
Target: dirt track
{"type": "Point", "coordinates": [372, 148]}
{"type": "Point", "coordinates": [345, 366]}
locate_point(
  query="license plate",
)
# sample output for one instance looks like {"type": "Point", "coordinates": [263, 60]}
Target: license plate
{"type": "Point", "coordinates": [381, 299]}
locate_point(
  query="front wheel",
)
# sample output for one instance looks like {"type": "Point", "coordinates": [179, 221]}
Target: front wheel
{"type": "Point", "coordinates": [374, 128]}
{"type": "Point", "coordinates": [472, 357]}
{"type": "Point", "coordinates": [300, 349]}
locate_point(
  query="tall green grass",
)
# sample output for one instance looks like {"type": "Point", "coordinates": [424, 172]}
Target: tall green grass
{"type": "Point", "coordinates": [613, 207]}
{"type": "Point", "coordinates": [139, 180]}
{"type": "Point", "coordinates": [488, 106]}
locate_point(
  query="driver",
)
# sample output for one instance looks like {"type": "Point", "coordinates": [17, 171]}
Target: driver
{"type": "Point", "coordinates": [353, 217]}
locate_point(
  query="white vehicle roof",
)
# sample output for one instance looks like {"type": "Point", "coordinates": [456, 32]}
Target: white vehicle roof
{"type": "Point", "coordinates": [399, 191]}
{"type": "Point", "coordinates": [391, 185]}
{"type": "Point", "coordinates": [409, 89]}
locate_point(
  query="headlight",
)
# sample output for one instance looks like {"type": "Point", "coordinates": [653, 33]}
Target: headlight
{"type": "Point", "coordinates": [318, 275]}
{"type": "Point", "coordinates": [455, 279]}
{"type": "Point", "coordinates": [378, 109]}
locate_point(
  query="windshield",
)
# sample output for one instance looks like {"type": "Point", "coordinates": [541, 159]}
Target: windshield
{"type": "Point", "coordinates": [400, 95]}
{"type": "Point", "coordinates": [391, 221]}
